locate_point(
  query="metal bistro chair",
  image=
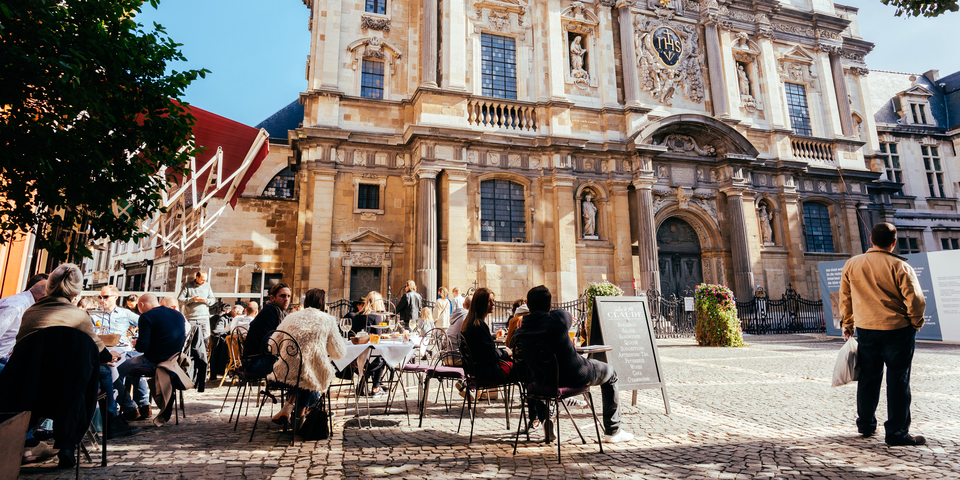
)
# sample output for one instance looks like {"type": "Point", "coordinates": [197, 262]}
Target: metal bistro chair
{"type": "Point", "coordinates": [235, 367]}
{"type": "Point", "coordinates": [244, 377]}
{"type": "Point", "coordinates": [285, 348]}
{"type": "Point", "coordinates": [442, 367]}
{"type": "Point", "coordinates": [474, 386]}
{"type": "Point", "coordinates": [178, 408]}
{"type": "Point", "coordinates": [542, 364]}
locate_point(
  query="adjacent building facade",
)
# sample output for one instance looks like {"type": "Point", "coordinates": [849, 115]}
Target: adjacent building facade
{"type": "Point", "coordinates": [917, 132]}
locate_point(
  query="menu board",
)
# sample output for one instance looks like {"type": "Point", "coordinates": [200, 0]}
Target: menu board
{"type": "Point", "coordinates": [624, 324]}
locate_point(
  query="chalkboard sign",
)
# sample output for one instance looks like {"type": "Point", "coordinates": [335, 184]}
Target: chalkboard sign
{"type": "Point", "coordinates": [624, 323]}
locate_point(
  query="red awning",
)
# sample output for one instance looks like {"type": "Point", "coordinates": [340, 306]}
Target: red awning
{"type": "Point", "coordinates": [236, 139]}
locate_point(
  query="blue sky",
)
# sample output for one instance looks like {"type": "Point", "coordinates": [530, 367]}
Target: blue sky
{"type": "Point", "coordinates": [257, 50]}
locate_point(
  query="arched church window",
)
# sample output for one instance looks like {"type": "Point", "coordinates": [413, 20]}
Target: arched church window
{"type": "Point", "coordinates": [282, 185]}
{"type": "Point", "coordinates": [502, 216]}
{"type": "Point", "coordinates": [816, 218]}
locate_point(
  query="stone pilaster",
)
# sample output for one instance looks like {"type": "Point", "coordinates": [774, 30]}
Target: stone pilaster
{"type": "Point", "coordinates": [628, 54]}
{"type": "Point", "coordinates": [317, 248]}
{"type": "Point", "coordinates": [428, 41]}
{"type": "Point", "coordinates": [454, 43]}
{"type": "Point", "coordinates": [739, 245]}
{"type": "Point", "coordinates": [718, 90]}
{"type": "Point", "coordinates": [564, 238]}
{"type": "Point", "coordinates": [426, 233]}
{"type": "Point", "coordinates": [840, 87]}
{"type": "Point", "coordinates": [649, 274]}
{"type": "Point", "coordinates": [457, 230]}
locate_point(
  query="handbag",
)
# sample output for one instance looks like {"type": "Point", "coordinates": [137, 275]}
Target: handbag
{"type": "Point", "coordinates": [316, 426]}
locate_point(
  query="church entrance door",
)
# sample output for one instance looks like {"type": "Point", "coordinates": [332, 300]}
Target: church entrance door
{"type": "Point", "coordinates": [678, 251]}
{"type": "Point", "coordinates": [363, 280]}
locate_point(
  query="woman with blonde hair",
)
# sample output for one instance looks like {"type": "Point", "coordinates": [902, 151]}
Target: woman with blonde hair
{"type": "Point", "coordinates": [426, 316]}
{"type": "Point", "coordinates": [370, 313]}
{"type": "Point", "coordinates": [441, 311]}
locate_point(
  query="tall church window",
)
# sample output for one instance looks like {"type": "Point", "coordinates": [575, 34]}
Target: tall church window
{"type": "Point", "coordinates": [502, 216]}
{"type": "Point", "coordinates": [371, 79]}
{"type": "Point", "coordinates": [892, 164]}
{"type": "Point", "coordinates": [376, 6]}
{"type": "Point", "coordinates": [498, 66]}
{"type": "Point", "coordinates": [282, 185]}
{"type": "Point", "coordinates": [816, 219]}
{"type": "Point", "coordinates": [797, 106]}
{"type": "Point", "coordinates": [931, 161]}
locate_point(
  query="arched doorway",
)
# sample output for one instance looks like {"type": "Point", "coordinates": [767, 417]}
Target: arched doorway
{"type": "Point", "coordinates": [678, 254]}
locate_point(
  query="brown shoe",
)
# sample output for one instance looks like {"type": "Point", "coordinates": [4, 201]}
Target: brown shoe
{"type": "Point", "coordinates": [132, 415]}
{"type": "Point", "coordinates": [145, 412]}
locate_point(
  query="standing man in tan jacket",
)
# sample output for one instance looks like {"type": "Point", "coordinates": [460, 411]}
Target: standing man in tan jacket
{"type": "Point", "coordinates": [881, 296]}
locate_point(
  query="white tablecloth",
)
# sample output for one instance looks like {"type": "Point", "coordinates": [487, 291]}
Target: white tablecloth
{"type": "Point", "coordinates": [395, 354]}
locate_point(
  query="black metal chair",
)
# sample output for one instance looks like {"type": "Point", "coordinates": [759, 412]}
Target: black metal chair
{"type": "Point", "coordinates": [243, 377]}
{"type": "Point", "coordinates": [285, 348]}
{"type": "Point", "coordinates": [474, 385]}
{"type": "Point", "coordinates": [541, 363]}
{"type": "Point", "coordinates": [178, 408]}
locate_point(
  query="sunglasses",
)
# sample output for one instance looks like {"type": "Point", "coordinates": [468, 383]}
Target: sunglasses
{"type": "Point", "coordinates": [106, 297]}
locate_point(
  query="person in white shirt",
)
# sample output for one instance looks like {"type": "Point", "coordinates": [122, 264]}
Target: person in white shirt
{"type": "Point", "coordinates": [251, 311]}
{"type": "Point", "coordinates": [11, 312]}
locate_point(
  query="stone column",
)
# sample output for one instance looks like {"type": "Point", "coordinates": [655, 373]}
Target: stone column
{"type": "Point", "coordinates": [649, 274]}
{"type": "Point", "coordinates": [628, 55]}
{"type": "Point", "coordinates": [718, 90]}
{"type": "Point", "coordinates": [740, 246]}
{"type": "Point", "coordinates": [840, 87]}
{"type": "Point", "coordinates": [428, 45]}
{"type": "Point", "coordinates": [426, 234]}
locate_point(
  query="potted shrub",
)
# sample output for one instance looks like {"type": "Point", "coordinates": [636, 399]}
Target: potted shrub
{"type": "Point", "coordinates": [602, 289]}
{"type": "Point", "coordinates": [717, 322]}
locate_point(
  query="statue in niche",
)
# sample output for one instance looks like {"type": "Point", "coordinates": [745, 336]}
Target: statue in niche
{"type": "Point", "coordinates": [743, 80]}
{"type": "Point", "coordinates": [766, 227]}
{"type": "Point", "coordinates": [589, 212]}
{"type": "Point", "coordinates": [577, 52]}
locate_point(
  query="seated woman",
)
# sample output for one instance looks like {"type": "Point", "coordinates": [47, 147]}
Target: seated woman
{"type": "Point", "coordinates": [492, 365]}
{"type": "Point", "coordinates": [318, 335]}
{"type": "Point", "coordinates": [372, 313]}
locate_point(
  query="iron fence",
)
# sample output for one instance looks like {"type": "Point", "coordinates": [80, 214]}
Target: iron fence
{"type": "Point", "coordinates": [502, 311]}
{"type": "Point", "coordinates": [670, 315]}
{"type": "Point", "coordinates": [790, 314]}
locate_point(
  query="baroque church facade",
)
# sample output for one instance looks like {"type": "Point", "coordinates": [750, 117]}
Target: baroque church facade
{"type": "Point", "coordinates": [512, 143]}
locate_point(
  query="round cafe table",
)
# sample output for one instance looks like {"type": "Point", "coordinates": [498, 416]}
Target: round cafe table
{"type": "Point", "coordinates": [592, 349]}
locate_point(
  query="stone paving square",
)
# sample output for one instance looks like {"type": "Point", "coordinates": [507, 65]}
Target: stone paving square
{"type": "Point", "coordinates": [764, 411]}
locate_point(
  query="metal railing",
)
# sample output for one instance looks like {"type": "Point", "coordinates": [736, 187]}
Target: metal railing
{"type": "Point", "coordinates": [790, 314]}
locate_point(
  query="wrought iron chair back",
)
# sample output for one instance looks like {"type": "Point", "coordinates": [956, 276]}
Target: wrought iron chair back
{"type": "Point", "coordinates": [287, 369]}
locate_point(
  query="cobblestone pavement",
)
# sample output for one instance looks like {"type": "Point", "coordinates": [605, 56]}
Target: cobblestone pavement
{"type": "Point", "coordinates": [763, 411]}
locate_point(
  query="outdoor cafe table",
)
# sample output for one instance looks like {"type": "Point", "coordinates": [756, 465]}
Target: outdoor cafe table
{"type": "Point", "coordinates": [395, 354]}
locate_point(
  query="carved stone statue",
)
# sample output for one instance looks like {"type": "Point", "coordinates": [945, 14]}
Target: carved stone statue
{"type": "Point", "coordinates": [577, 52]}
{"type": "Point", "coordinates": [766, 229]}
{"type": "Point", "coordinates": [743, 80]}
{"type": "Point", "coordinates": [589, 211]}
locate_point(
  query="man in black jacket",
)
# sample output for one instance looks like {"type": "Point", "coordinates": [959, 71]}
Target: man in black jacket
{"type": "Point", "coordinates": [160, 335]}
{"type": "Point", "coordinates": [408, 308]}
{"type": "Point", "coordinates": [266, 321]}
{"type": "Point", "coordinates": [550, 328]}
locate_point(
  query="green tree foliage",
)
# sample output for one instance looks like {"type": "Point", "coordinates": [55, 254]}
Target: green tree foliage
{"type": "Point", "coordinates": [82, 87]}
{"type": "Point", "coordinates": [924, 8]}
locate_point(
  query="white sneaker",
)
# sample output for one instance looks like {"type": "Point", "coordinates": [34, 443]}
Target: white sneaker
{"type": "Point", "coordinates": [575, 402]}
{"type": "Point", "coordinates": [621, 436]}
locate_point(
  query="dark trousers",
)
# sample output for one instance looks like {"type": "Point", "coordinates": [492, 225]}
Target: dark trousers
{"type": "Point", "coordinates": [605, 376]}
{"type": "Point", "coordinates": [893, 348]}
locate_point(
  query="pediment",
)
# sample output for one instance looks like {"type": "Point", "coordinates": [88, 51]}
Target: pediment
{"type": "Point", "coordinates": [369, 237]}
{"type": "Point", "coordinates": [580, 14]}
{"type": "Point", "coordinates": [797, 54]}
{"type": "Point", "coordinates": [917, 91]}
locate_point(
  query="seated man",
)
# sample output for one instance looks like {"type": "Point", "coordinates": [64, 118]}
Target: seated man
{"type": "Point", "coordinates": [161, 336]}
{"type": "Point", "coordinates": [118, 320]}
{"type": "Point", "coordinates": [266, 321]}
{"type": "Point", "coordinates": [550, 328]}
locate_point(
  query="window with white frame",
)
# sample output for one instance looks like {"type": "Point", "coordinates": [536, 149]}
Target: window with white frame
{"type": "Point", "coordinates": [892, 164]}
{"type": "Point", "coordinates": [371, 79]}
{"type": "Point", "coordinates": [498, 66]}
{"type": "Point", "coordinates": [934, 168]}
{"type": "Point", "coordinates": [919, 113]}
{"type": "Point", "coordinates": [798, 110]}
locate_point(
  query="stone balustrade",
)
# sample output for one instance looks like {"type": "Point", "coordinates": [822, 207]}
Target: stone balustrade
{"type": "Point", "coordinates": [813, 150]}
{"type": "Point", "coordinates": [485, 112]}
